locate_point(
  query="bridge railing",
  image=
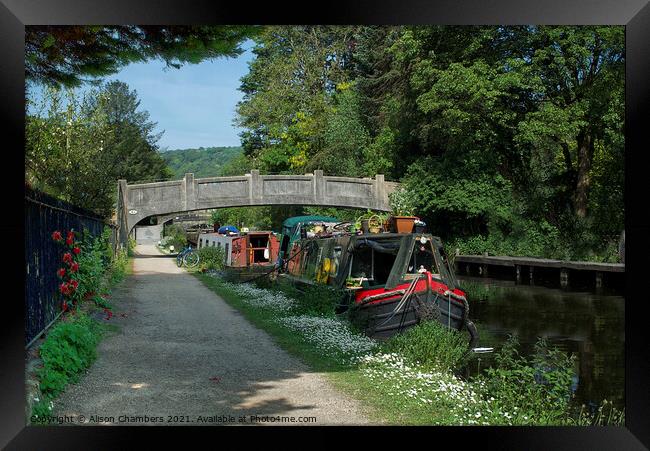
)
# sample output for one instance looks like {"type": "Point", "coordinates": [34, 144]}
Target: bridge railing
{"type": "Point", "coordinates": [139, 201]}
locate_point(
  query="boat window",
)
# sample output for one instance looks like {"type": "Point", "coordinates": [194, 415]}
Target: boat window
{"type": "Point", "coordinates": [445, 270]}
{"type": "Point", "coordinates": [362, 263]}
{"type": "Point", "coordinates": [285, 244]}
{"type": "Point", "coordinates": [336, 260]}
{"type": "Point", "coordinates": [423, 259]}
{"type": "Point", "coordinates": [372, 265]}
{"type": "Point", "coordinates": [310, 259]}
{"type": "Point", "coordinates": [259, 244]}
{"type": "Point", "coordinates": [383, 265]}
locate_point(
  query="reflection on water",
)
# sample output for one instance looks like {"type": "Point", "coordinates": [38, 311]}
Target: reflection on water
{"type": "Point", "coordinates": [587, 324]}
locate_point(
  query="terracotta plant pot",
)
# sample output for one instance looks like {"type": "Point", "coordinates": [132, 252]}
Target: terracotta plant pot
{"type": "Point", "coordinates": [403, 224]}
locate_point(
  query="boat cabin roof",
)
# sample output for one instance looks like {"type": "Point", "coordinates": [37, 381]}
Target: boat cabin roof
{"type": "Point", "coordinates": [289, 223]}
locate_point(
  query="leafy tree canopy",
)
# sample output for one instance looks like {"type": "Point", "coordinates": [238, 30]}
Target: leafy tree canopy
{"type": "Point", "coordinates": [77, 148]}
{"type": "Point", "coordinates": [71, 55]}
{"type": "Point", "coordinates": [203, 162]}
{"type": "Point", "coordinates": [508, 137]}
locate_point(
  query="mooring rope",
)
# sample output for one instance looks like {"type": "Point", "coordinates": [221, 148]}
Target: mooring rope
{"type": "Point", "coordinates": [402, 301]}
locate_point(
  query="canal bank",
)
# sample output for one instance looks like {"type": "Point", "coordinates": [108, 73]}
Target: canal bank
{"type": "Point", "coordinates": [576, 275]}
{"type": "Point", "coordinates": [414, 379]}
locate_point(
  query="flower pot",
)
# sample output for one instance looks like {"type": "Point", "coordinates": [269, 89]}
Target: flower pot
{"type": "Point", "coordinates": [403, 224]}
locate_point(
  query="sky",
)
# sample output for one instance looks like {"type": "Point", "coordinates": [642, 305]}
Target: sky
{"type": "Point", "coordinates": [194, 105]}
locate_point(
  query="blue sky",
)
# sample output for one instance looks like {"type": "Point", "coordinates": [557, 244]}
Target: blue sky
{"type": "Point", "coordinates": [194, 105]}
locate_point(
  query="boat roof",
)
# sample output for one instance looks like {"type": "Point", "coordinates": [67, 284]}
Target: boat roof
{"type": "Point", "coordinates": [290, 222]}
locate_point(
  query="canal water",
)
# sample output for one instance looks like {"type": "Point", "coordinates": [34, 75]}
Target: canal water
{"type": "Point", "coordinates": [586, 323]}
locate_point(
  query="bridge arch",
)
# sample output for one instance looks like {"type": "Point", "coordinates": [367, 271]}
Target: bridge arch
{"type": "Point", "coordinates": [139, 201]}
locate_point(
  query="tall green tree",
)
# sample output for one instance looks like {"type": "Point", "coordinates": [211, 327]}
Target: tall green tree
{"type": "Point", "coordinates": [509, 137]}
{"type": "Point", "coordinates": [132, 151]}
{"type": "Point", "coordinates": [581, 74]}
{"type": "Point", "coordinates": [288, 94]}
{"type": "Point", "coordinates": [65, 141]}
{"type": "Point", "coordinates": [77, 147]}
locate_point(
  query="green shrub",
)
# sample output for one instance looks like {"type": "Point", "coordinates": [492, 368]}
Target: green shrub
{"type": "Point", "coordinates": [605, 415]}
{"type": "Point", "coordinates": [66, 352]}
{"type": "Point", "coordinates": [211, 258]}
{"type": "Point", "coordinates": [93, 260]}
{"type": "Point", "coordinates": [99, 266]}
{"type": "Point", "coordinates": [131, 247]}
{"type": "Point", "coordinates": [42, 409]}
{"type": "Point", "coordinates": [318, 300]}
{"type": "Point", "coordinates": [431, 345]}
{"type": "Point", "coordinates": [534, 390]}
{"type": "Point", "coordinates": [174, 235]}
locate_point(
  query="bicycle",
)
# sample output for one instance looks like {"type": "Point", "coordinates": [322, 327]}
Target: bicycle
{"type": "Point", "coordinates": [187, 256]}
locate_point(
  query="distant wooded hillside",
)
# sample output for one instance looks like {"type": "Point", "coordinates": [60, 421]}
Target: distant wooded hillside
{"type": "Point", "coordinates": [203, 162]}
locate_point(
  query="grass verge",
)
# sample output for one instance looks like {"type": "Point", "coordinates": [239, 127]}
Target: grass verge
{"type": "Point", "coordinates": [410, 379]}
{"type": "Point", "coordinates": [69, 347]}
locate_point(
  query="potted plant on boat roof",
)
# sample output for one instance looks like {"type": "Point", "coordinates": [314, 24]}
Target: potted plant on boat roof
{"type": "Point", "coordinates": [403, 209]}
{"type": "Point", "coordinates": [371, 222]}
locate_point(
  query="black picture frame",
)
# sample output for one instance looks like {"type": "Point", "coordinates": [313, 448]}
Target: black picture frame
{"type": "Point", "coordinates": [634, 14]}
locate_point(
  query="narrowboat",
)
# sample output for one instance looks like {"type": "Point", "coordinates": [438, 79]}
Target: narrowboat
{"type": "Point", "coordinates": [390, 281]}
{"type": "Point", "coordinates": [246, 255]}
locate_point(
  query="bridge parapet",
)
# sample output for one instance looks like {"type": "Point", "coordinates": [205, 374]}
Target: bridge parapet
{"type": "Point", "coordinates": [254, 189]}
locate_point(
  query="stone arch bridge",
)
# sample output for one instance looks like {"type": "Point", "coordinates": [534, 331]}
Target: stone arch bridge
{"type": "Point", "coordinates": [139, 201]}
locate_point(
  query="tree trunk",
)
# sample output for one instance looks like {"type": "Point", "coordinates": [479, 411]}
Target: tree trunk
{"type": "Point", "coordinates": [585, 156]}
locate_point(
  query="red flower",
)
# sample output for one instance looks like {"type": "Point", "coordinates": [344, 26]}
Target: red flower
{"type": "Point", "coordinates": [76, 250]}
{"type": "Point", "coordinates": [67, 257]}
{"type": "Point", "coordinates": [61, 272]}
{"type": "Point", "coordinates": [65, 306]}
{"type": "Point", "coordinates": [74, 267]}
{"type": "Point", "coordinates": [74, 284]}
{"type": "Point", "coordinates": [56, 236]}
{"type": "Point", "coordinates": [64, 288]}
{"type": "Point", "coordinates": [71, 235]}
{"type": "Point", "coordinates": [69, 241]}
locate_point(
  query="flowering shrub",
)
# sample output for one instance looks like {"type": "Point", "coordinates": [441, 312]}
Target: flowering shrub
{"type": "Point", "coordinates": [84, 265]}
{"type": "Point", "coordinates": [401, 202]}
{"type": "Point", "coordinates": [69, 272]}
{"type": "Point", "coordinates": [88, 269]}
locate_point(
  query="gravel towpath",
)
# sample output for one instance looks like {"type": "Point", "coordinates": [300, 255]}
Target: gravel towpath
{"type": "Point", "coordinates": [182, 353]}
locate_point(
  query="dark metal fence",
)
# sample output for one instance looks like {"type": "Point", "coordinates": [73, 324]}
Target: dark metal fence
{"type": "Point", "coordinates": [43, 215]}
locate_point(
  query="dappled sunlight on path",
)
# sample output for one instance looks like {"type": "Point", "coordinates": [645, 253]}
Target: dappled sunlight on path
{"type": "Point", "coordinates": [181, 352]}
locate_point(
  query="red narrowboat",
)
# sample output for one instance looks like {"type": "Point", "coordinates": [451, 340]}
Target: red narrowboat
{"type": "Point", "coordinates": [391, 281]}
{"type": "Point", "coordinates": [246, 255]}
